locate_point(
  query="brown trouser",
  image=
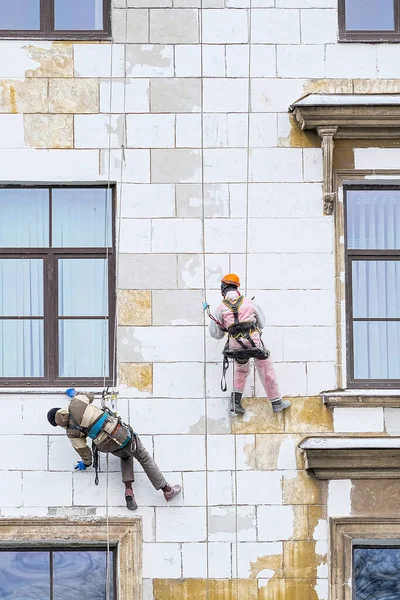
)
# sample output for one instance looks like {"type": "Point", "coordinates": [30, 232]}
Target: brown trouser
{"type": "Point", "coordinates": [135, 449]}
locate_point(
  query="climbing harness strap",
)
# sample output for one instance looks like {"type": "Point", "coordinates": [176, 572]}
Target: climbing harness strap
{"type": "Point", "coordinates": [96, 463]}
{"type": "Point", "coordinates": [97, 426]}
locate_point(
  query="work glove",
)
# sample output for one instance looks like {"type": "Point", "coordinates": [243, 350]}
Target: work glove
{"type": "Point", "coordinates": [80, 466]}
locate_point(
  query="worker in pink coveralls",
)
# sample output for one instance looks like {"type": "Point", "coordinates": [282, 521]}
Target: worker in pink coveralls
{"type": "Point", "coordinates": [243, 320]}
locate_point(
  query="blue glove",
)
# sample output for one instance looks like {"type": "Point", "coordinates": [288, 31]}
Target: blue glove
{"type": "Point", "coordinates": [80, 466]}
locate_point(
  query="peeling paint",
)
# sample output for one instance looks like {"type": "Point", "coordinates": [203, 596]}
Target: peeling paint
{"type": "Point", "coordinates": [264, 565]}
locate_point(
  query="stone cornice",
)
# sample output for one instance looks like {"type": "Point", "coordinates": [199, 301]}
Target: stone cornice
{"type": "Point", "coordinates": [338, 400]}
{"type": "Point", "coordinates": [352, 457]}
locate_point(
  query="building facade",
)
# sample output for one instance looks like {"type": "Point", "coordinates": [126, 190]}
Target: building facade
{"type": "Point", "coordinates": [204, 137]}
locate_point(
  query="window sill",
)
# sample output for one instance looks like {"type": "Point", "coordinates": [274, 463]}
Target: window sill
{"type": "Point", "coordinates": [364, 398]}
{"type": "Point", "coordinates": [47, 391]}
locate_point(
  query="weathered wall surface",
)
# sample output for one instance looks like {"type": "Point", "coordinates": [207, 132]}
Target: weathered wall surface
{"type": "Point", "coordinates": [55, 126]}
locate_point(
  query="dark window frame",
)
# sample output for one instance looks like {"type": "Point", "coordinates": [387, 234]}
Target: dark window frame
{"type": "Point", "coordinates": [350, 256]}
{"type": "Point", "coordinates": [50, 298]}
{"type": "Point", "coordinates": [346, 35]}
{"type": "Point", "coordinates": [112, 548]}
{"type": "Point", "coordinates": [48, 32]}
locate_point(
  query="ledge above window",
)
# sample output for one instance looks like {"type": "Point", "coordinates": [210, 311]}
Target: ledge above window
{"type": "Point", "coordinates": [364, 398]}
{"type": "Point", "coordinates": [352, 457]}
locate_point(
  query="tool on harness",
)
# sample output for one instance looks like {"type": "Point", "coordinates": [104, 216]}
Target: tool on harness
{"type": "Point", "coordinates": [96, 463]}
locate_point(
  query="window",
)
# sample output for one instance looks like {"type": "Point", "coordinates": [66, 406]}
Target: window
{"type": "Point", "coordinates": [369, 20]}
{"type": "Point", "coordinates": [373, 290]}
{"type": "Point", "coordinates": [57, 573]}
{"type": "Point", "coordinates": [57, 300]}
{"type": "Point", "coordinates": [73, 19]}
{"type": "Point", "coordinates": [376, 572]}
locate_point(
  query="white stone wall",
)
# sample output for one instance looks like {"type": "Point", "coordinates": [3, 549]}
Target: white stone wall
{"type": "Point", "coordinates": [59, 130]}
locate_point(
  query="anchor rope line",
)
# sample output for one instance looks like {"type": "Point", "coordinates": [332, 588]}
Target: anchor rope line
{"type": "Point", "coordinates": [203, 236]}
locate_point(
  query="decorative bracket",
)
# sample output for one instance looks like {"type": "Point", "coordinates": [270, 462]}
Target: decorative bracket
{"type": "Point", "coordinates": [329, 196]}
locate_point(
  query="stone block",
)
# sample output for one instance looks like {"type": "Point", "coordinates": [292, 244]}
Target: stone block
{"type": "Point", "coordinates": [221, 452]}
{"type": "Point", "coordinates": [339, 498]}
{"type": "Point", "coordinates": [224, 130]}
{"type": "Point", "coordinates": [134, 169]}
{"type": "Point", "coordinates": [237, 60]}
{"type": "Point", "coordinates": [134, 95]}
{"type": "Point", "coordinates": [146, 201]}
{"type": "Point", "coordinates": [94, 60]}
{"type": "Point", "coordinates": [308, 415]}
{"type": "Point", "coordinates": [222, 165]}
{"type": "Point", "coordinates": [189, 199]}
{"type": "Point", "coordinates": [259, 487]}
{"type": "Point", "coordinates": [175, 166]}
{"type": "Point", "coordinates": [392, 420]}
{"type": "Point", "coordinates": [376, 86]}
{"type": "Point", "coordinates": [175, 95]}
{"type": "Point", "coordinates": [222, 523]}
{"type": "Point", "coordinates": [319, 26]}
{"type": "Point", "coordinates": [318, 526]}
{"type": "Point", "coordinates": [145, 3]}
{"type": "Point", "coordinates": [14, 412]}
{"type": "Point", "coordinates": [307, 271]}
{"type": "Point", "coordinates": [257, 558]}
{"type": "Point", "coordinates": [360, 420]}
{"type": "Point", "coordinates": [276, 164]}
{"type": "Point", "coordinates": [226, 26]}
{"type": "Point", "coordinates": [49, 131]}
{"type": "Point", "coordinates": [194, 488]}
{"type": "Point", "coordinates": [292, 377]}
{"type": "Point", "coordinates": [320, 376]}
{"type": "Point", "coordinates": [245, 452]}
{"type": "Point", "coordinates": [275, 95]}
{"type": "Point", "coordinates": [136, 375]}
{"type": "Point", "coordinates": [284, 200]}
{"type": "Point", "coordinates": [312, 164]}
{"type": "Point", "coordinates": [300, 559]}
{"type": "Point", "coordinates": [182, 307]}
{"type": "Point", "coordinates": [180, 453]}
{"type": "Point", "coordinates": [190, 271]}
{"type": "Point", "coordinates": [12, 490]}
{"type": "Point", "coordinates": [131, 26]}
{"type": "Point", "coordinates": [150, 61]}
{"type": "Point", "coordinates": [24, 453]}
{"type": "Point", "coordinates": [62, 456]}
{"type": "Point", "coordinates": [220, 488]}
{"type": "Point", "coordinates": [134, 307]}
{"type": "Point", "coordinates": [135, 236]}
{"type": "Point", "coordinates": [180, 524]}
{"type": "Point", "coordinates": [273, 26]}
{"type": "Point", "coordinates": [367, 495]}
{"type": "Point", "coordinates": [158, 271]}
{"type": "Point", "coordinates": [383, 158]}
{"type": "Point", "coordinates": [187, 61]}
{"type": "Point", "coordinates": [290, 235]}
{"type": "Point", "coordinates": [178, 380]}
{"type": "Point", "coordinates": [46, 489]}
{"type": "Point", "coordinates": [214, 57]}
{"type": "Point", "coordinates": [54, 59]}
{"type": "Point", "coordinates": [162, 560]}
{"type": "Point", "coordinates": [74, 96]}
{"type": "Point", "coordinates": [188, 131]}
{"type": "Point", "coordinates": [161, 344]}
{"type": "Point", "coordinates": [176, 235]}
{"type": "Point", "coordinates": [151, 131]}
{"type": "Point", "coordinates": [263, 133]}
{"type": "Point", "coordinates": [320, 307]}
{"type": "Point", "coordinates": [98, 131]}
{"type": "Point", "coordinates": [263, 61]}
{"type": "Point", "coordinates": [225, 95]}
{"type": "Point", "coordinates": [275, 523]}
{"type": "Point", "coordinates": [306, 520]}
{"type": "Point", "coordinates": [301, 488]}
{"type": "Point", "coordinates": [46, 165]}
{"type": "Point", "coordinates": [259, 418]}
{"type": "Point", "coordinates": [225, 235]}
{"type": "Point", "coordinates": [298, 347]}
{"type": "Point", "coordinates": [267, 450]}
{"type": "Point", "coordinates": [27, 96]}
{"type": "Point", "coordinates": [288, 589]}
{"type": "Point", "coordinates": [155, 416]}
{"type": "Point", "coordinates": [200, 589]}
{"type": "Point", "coordinates": [359, 61]}
{"type": "Point", "coordinates": [177, 26]}
{"type": "Point", "coordinates": [147, 496]}
{"type": "Point", "coordinates": [291, 136]}
{"type": "Point", "coordinates": [301, 61]}
{"type": "Point", "coordinates": [194, 559]}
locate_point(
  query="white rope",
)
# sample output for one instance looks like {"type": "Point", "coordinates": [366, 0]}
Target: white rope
{"type": "Point", "coordinates": [203, 215]}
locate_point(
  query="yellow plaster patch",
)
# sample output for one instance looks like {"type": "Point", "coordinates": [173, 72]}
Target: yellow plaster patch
{"type": "Point", "coordinates": [270, 563]}
{"type": "Point", "coordinates": [308, 415]}
{"type": "Point", "coordinates": [304, 489]}
{"type": "Point", "coordinates": [49, 131]}
{"type": "Point", "coordinates": [136, 375]}
{"type": "Point", "coordinates": [201, 589]}
{"type": "Point", "coordinates": [55, 61]}
{"type": "Point", "coordinates": [289, 589]}
{"type": "Point", "coordinates": [134, 307]}
{"type": "Point", "coordinates": [259, 418]}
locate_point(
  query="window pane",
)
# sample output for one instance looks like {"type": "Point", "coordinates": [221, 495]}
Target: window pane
{"type": "Point", "coordinates": [82, 218]}
{"type": "Point", "coordinates": [21, 287]}
{"type": "Point", "coordinates": [21, 348]}
{"type": "Point", "coordinates": [74, 15]}
{"type": "Point", "coordinates": [376, 349]}
{"type": "Point", "coordinates": [79, 570]}
{"type": "Point", "coordinates": [24, 218]}
{"type": "Point", "coordinates": [20, 14]}
{"type": "Point", "coordinates": [370, 15]}
{"type": "Point", "coordinates": [24, 575]}
{"type": "Point", "coordinates": [83, 347]}
{"type": "Point", "coordinates": [376, 289]}
{"type": "Point", "coordinates": [373, 219]}
{"type": "Point", "coordinates": [376, 573]}
{"type": "Point", "coordinates": [82, 287]}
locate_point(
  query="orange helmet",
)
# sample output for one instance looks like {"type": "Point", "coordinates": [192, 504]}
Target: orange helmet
{"type": "Point", "coordinates": [231, 279]}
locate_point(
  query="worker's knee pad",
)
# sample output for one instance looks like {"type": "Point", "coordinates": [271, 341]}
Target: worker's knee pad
{"type": "Point", "coordinates": [241, 361]}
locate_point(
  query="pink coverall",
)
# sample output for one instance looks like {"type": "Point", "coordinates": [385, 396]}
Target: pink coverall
{"type": "Point", "coordinates": [248, 311]}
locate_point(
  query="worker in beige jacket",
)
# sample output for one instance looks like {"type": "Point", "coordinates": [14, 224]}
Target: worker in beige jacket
{"type": "Point", "coordinates": [82, 419]}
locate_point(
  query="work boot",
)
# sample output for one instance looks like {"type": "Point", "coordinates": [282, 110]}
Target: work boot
{"type": "Point", "coordinates": [279, 405]}
{"type": "Point", "coordinates": [236, 403]}
{"type": "Point", "coordinates": [130, 500]}
{"type": "Point", "coordinates": [170, 491]}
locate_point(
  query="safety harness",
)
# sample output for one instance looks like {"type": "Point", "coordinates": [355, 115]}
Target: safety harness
{"type": "Point", "coordinates": [240, 331]}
